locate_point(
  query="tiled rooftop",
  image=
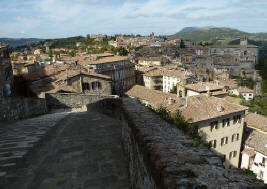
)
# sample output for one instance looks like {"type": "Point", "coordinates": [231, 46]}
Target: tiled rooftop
{"type": "Point", "coordinates": [257, 141]}
{"type": "Point", "coordinates": [257, 121]}
{"type": "Point", "coordinates": [204, 86]}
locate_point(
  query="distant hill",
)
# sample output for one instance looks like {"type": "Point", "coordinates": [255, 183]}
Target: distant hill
{"type": "Point", "coordinates": [15, 42]}
{"type": "Point", "coordinates": [216, 35]}
{"type": "Point", "coordinates": [192, 29]}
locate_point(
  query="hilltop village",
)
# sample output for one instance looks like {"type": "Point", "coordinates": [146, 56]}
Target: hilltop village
{"type": "Point", "coordinates": [207, 85]}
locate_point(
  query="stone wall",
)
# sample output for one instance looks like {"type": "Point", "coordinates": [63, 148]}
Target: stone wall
{"type": "Point", "coordinates": [72, 100]}
{"type": "Point", "coordinates": [160, 156]}
{"type": "Point", "coordinates": [14, 108]}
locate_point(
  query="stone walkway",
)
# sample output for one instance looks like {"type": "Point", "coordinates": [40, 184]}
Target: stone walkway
{"type": "Point", "coordinates": [83, 150]}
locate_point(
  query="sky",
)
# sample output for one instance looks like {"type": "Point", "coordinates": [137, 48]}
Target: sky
{"type": "Point", "coordinates": [65, 18]}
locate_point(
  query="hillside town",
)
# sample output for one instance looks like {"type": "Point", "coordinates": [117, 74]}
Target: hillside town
{"type": "Point", "coordinates": [207, 85]}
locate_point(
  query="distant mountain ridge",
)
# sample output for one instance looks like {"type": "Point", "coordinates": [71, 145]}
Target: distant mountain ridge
{"type": "Point", "coordinates": [15, 42]}
{"type": "Point", "coordinates": [213, 34]}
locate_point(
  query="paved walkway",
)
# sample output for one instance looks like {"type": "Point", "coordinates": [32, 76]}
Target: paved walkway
{"type": "Point", "coordinates": [83, 150]}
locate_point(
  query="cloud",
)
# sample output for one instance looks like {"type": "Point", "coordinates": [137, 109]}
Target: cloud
{"type": "Point", "coordinates": [58, 18]}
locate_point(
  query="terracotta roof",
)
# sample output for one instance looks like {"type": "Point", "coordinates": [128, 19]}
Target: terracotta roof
{"type": "Point", "coordinates": [47, 71]}
{"type": "Point", "coordinates": [154, 73]}
{"type": "Point", "coordinates": [91, 61]}
{"type": "Point", "coordinates": [202, 107]}
{"type": "Point", "coordinates": [245, 90]}
{"type": "Point", "coordinates": [236, 46]}
{"type": "Point", "coordinates": [204, 86]}
{"type": "Point", "coordinates": [195, 108]}
{"type": "Point", "coordinates": [155, 97]}
{"type": "Point", "coordinates": [257, 141]}
{"type": "Point", "coordinates": [233, 100]}
{"type": "Point", "coordinates": [249, 151]}
{"type": "Point", "coordinates": [256, 121]}
{"type": "Point", "coordinates": [217, 93]}
{"type": "Point", "coordinates": [229, 83]}
{"type": "Point", "coordinates": [175, 73]}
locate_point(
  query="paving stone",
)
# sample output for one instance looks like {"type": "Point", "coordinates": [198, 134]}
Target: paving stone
{"type": "Point", "coordinates": [82, 151]}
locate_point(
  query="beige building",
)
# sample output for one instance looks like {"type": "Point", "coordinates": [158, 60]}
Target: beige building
{"type": "Point", "coordinates": [6, 76]}
{"type": "Point", "coordinates": [219, 122]}
{"type": "Point", "coordinates": [254, 155]}
{"type": "Point", "coordinates": [153, 61]}
{"type": "Point", "coordinates": [153, 79]}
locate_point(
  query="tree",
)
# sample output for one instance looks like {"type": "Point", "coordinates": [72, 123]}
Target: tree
{"type": "Point", "coordinates": [122, 51]}
{"type": "Point", "coordinates": [174, 90]}
{"type": "Point", "coordinates": [182, 45]}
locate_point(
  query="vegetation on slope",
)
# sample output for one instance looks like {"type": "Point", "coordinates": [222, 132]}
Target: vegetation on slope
{"type": "Point", "coordinates": [13, 42]}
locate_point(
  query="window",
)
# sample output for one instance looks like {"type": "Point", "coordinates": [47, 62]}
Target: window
{"type": "Point", "coordinates": [213, 125]}
{"type": "Point", "coordinates": [213, 143]}
{"type": "Point", "coordinates": [96, 85]}
{"type": "Point", "coordinates": [86, 86]}
{"type": "Point", "coordinates": [261, 174]}
{"type": "Point", "coordinates": [180, 93]}
{"type": "Point", "coordinates": [224, 141]}
{"type": "Point", "coordinates": [232, 154]}
{"type": "Point", "coordinates": [237, 119]}
{"type": "Point", "coordinates": [226, 122]}
{"type": "Point", "coordinates": [235, 137]}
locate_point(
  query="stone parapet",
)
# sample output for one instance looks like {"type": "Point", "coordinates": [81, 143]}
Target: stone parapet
{"type": "Point", "coordinates": [15, 108]}
{"type": "Point", "coordinates": [160, 156]}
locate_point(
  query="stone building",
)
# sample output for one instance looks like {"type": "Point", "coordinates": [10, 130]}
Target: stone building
{"type": "Point", "coordinates": [153, 61]}
{"type": "Point", "coordinates": [219, 122]}
{"type": "Point", "coordinates": [6, 76]}
{"type": "Point", "coordinates": [119, 68]}
{"type": "Point", "coordinates": [153, 79]}
{"type": "Point", "coordinates": [247, 55]}
{"type": "Point", "coordinates": [90, 83]}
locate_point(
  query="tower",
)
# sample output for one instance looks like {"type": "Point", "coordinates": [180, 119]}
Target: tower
{"type": "Point", "coordinates": [244, 40]}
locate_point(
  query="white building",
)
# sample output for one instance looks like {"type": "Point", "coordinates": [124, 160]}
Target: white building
{"type": "Point", "coordinates": [172, 77]}
{"type": "Point", "coordinates": [248, 94]}
{"type": "Point", "coordinates": [254, 156]}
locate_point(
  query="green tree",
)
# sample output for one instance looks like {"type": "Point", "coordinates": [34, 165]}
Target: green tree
{"type": "Point", "coordinates": [174, 90]}
{"type": "Point", "coordinates": [122, 51]}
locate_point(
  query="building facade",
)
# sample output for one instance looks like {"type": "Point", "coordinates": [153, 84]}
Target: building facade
{"type": "Point", "coordinates": [254, 154]}
{"type": "Point", "coordinates": [120, 69]}
{"type": "Point", "coordinates": [247, 55]}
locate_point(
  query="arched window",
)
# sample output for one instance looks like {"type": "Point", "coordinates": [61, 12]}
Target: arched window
{"type": "Point", "coordinates": [96, 85]}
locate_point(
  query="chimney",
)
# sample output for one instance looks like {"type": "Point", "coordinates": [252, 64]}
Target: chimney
{"type": "Point", "coordinates": [171, 101]}
{"type": "Point", "coordinates": [220, 108]}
